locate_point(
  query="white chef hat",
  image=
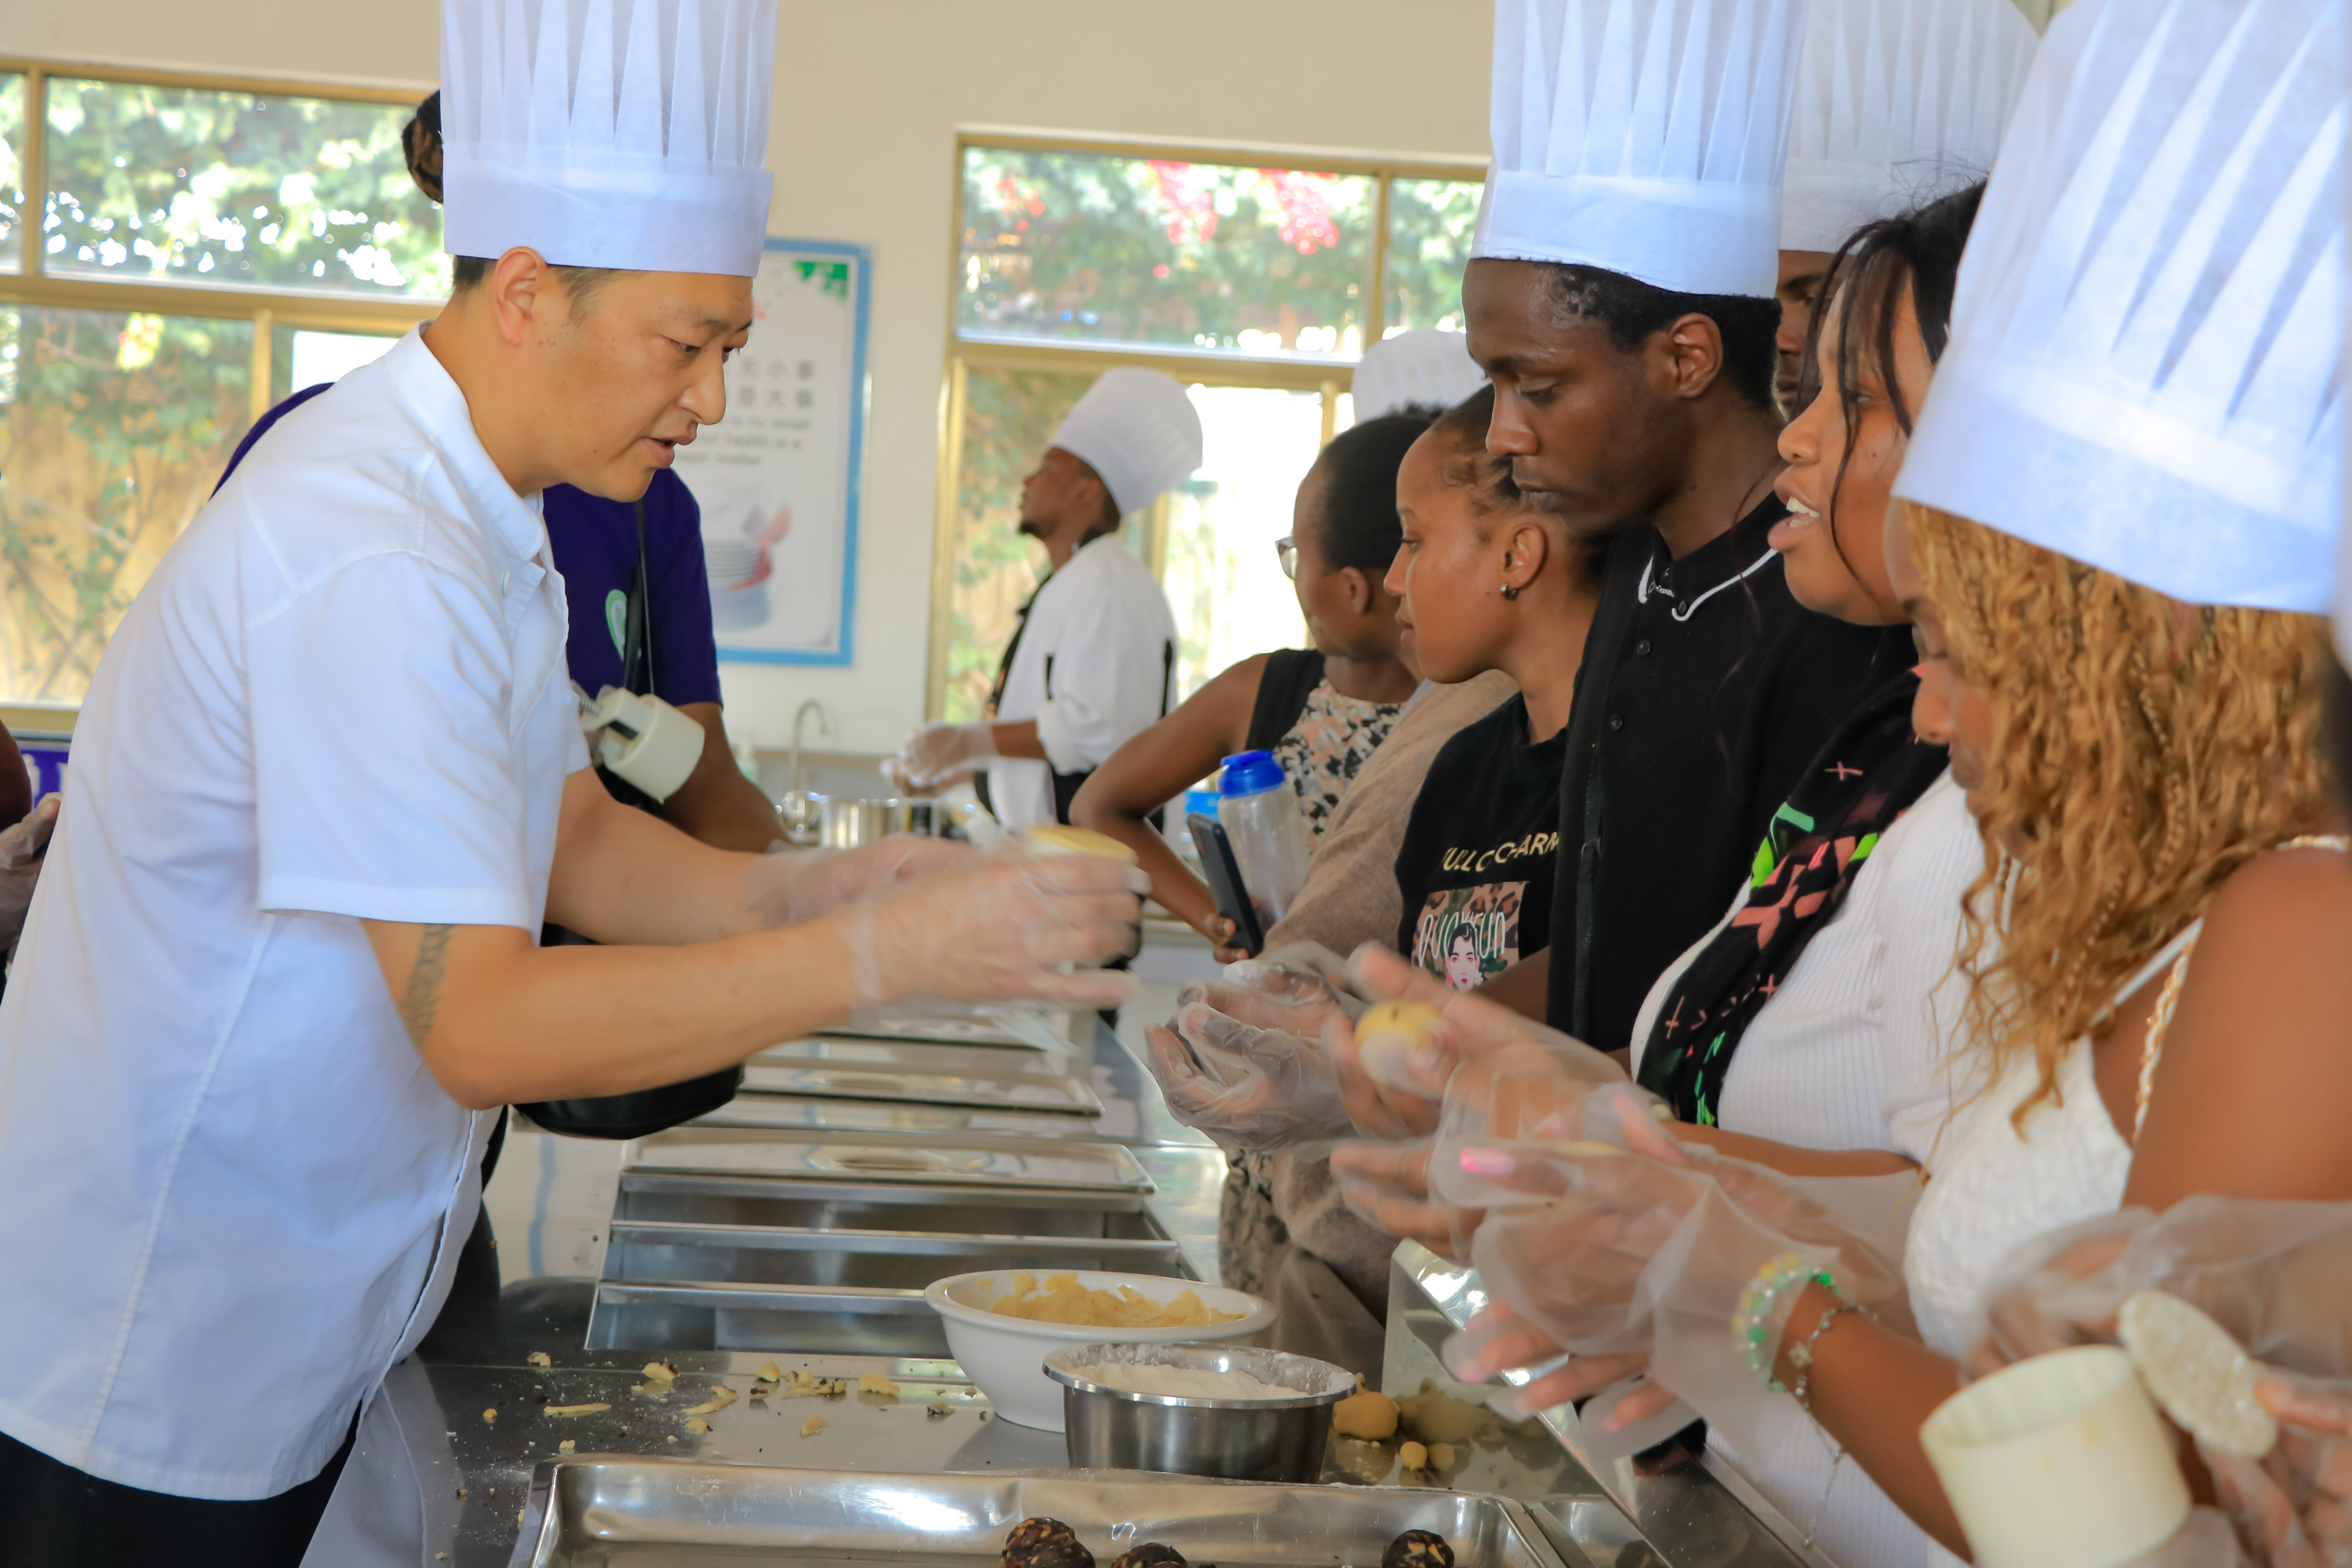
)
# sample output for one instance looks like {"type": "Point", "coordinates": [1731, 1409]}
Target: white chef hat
{"type": "Point", "coordinates": [1643, 137]}
{"type": "Point", "coordinates": [1898, 102]}
{"type": "Point", "coordinates": [1423, 368]}
{"type": "Point", "coordinates": [1138, 430]}
{"type": "Point", "coordinates": [2148, 325]}
{"type": "Point", "coordinates": [626, 133]}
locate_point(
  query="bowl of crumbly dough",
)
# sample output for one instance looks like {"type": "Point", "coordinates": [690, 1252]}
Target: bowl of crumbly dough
{"type": "Point", "coordinates": [1234, 1412]}
{"type": "Point", "coordinates": [1001, 1325]}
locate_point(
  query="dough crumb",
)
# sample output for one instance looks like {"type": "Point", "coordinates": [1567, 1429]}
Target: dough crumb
{"type": "Point", "coordinates": [813, 1425]}
{"type": "Point", "coordinates": [660, 1371]}
{"type": "Point", "coordinates": [1413, 1456]}
{"type": "Point", "coordinates": [719, 1400]}
{"type": "Point", "coordinates": [876, 1383]}
{"type": "Point", "coordinates": [567, 1447]}
{"type": "Point", "coordinates": [490, 1416]}
{"type": "Point", "coordinates": [671, 1438]}
{"type": "Point", "coordinates": [769, 1373]}
{"type": "Point", "coordinates": [1440, 1456]}
{"type": "Point", "coordinates": [696, 1424]}
{"type": "Point", "coordinates": [539, 1358]}
{"type": "Point", "coordinates": [938, 1408]}
{"type": "Point", "coordinates": [590, 1409]}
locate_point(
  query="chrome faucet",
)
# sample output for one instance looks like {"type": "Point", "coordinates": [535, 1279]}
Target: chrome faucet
{"type": "Point", "coordinates": [823, 728]}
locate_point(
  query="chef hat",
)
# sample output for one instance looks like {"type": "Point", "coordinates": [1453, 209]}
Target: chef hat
{"type": "Point", "coordinates": [626, 133]}
{"type": "Point", "coordinates": [1643, 137]}
{"type": "Point", "coordinates": [1898, 102]}
{"type": "Point", "coordinates": [1423, 368]}
{"type": "Point", "coordinates": [2148, 328]}
{"type": "Point", "coordinates": [1138, 430]}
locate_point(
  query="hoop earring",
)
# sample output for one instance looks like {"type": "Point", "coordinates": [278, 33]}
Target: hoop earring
{"type": "Point", "coordinates": [1510, 592]}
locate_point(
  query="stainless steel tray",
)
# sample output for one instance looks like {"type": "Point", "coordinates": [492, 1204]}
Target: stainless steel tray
{"type": "Point", "coordinates": [976, 1086]}
{"type": "Point", "coordinates": [962, 1027]}
{"type": "Point", "coordinates": [865, 1117]}
{"type": "Point", "coordinates": [616, 1511]}
{"type": "Point", "coordinates": [822, 1156]}
{"type": "Point", "coordinates": [920, 1054]}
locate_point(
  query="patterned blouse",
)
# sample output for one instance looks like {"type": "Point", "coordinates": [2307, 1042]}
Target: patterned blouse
{"type": "Point", "coordinates": [1331, 742]}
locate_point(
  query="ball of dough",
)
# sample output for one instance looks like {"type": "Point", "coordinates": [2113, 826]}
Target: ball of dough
{"type": "Point", "coordinates": [1365, 1413]}
{"type": "Point", "coordinates": [1390, 1034]}
{"type": "Point", "coordinates": [1151, 1554]}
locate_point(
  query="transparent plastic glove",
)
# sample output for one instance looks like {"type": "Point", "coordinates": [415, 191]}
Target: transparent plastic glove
{"type": "Point", "coordinates": [1009, 928]}
{"type": "Point", "coordinates": [1386, 1184]}
{"type": "Point", "coordinates": [22, 847]}
{"type": "Point", "coordinates": [937, 753]}
{"type": "Point", "coordinates": [1641, 1244]}
{"type": "Point", "coordinates": [786, 886]}
{"type": "Point", "coordinates": [1246, 1087]}
{"type": "Point", "coordinates": [2293, 1509]}
{"type": "Point", "coordinates": [1510, 1069]}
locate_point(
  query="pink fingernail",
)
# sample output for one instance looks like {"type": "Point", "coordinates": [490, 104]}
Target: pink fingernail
{"type": "Point", "coordinates": [1487, 1162]}
{"type": "Point", "coordinates": [1614, 1424]}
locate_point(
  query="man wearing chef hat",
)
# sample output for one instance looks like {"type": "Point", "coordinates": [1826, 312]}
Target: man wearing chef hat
{"type": "Point", "coordinates": [329, 778]}
{"type": "Point", "coordinates": [1092, 660]}
{"type": "Point", "coordinates": [1898, 102]}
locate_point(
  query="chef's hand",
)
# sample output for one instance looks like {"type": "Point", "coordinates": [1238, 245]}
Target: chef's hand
{"type": "Point", "coordinates": [1246, 1087]}
{"type": "Point", "coordinates": [785, 887]}
{"type": "Point", "coordinates": [936, 753]}
{"type": "Point", "coordinates": [1386, 1184]}
{"type": "Point", "coordinates": [1499, 1341]}
{"type": "Point", "coordinates": [2066, 1290]}
{"type": "Point", "coordinates": [1008, 929]}
{"type": "Point", "coordinates": [23, 846]}
{"type": "Point", "coordinates": [2293, 1508]}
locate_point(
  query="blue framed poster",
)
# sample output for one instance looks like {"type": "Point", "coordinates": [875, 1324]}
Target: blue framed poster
{"type": "Point", "coordinates": [777, 479]}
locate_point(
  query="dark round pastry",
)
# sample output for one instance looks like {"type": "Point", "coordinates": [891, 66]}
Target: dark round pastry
{"type": "Point", "coordinates": [1418, 1548]}
{"type": "Point", "coordinates": [1046, 1543]}
{"type": "Point", "coordinates": [1151, 1554]}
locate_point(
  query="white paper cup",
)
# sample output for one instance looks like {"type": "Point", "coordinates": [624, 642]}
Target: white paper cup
{"type": "Point", "coordinates": [2058, 1462]}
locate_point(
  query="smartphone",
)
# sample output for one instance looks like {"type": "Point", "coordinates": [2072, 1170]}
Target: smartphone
{"type": "Point", "coordinates": [1224, 874]}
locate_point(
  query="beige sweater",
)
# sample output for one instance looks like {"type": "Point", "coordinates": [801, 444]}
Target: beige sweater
{"type": "Point", "coordinates": [1351, 897]}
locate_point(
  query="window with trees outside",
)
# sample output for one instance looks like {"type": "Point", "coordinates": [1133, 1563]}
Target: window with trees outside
{"type": "Point", "coordinates": [177, 253]}
{"type": "Point", "coordinates": [1253, 280]}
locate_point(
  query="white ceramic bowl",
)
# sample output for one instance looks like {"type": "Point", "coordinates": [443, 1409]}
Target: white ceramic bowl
{"type": "Point", "coordinates": [1006, 1356]}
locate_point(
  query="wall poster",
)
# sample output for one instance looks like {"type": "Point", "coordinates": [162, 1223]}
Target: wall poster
{"type": "Point", "coordinates": [778, 477]}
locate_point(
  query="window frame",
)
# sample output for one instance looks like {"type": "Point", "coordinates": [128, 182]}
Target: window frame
{"type": "Point", "coordinates": [1328, 377]}
{"type": "Point", "coordinates": [266, 309]}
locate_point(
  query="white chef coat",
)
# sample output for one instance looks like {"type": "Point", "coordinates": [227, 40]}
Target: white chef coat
{"type": "Point", "coordinates": [1093, 668]}
{"type": "Point", "coordinates": [234, 1192]}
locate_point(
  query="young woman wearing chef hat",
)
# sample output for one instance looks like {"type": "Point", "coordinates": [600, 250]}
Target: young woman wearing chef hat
{"type": "Point", "coordinates": [328, 780]}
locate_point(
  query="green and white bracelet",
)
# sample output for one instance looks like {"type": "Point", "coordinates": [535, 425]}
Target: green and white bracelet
{"type": "Point", "coordinates": [1751, 1320]}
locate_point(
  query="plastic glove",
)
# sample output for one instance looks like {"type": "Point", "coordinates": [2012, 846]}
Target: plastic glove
{"type": "Point", "coordinates": [2293, 1508]}
{"type": "Point", "coordinates": [1499, 1341]}
{"type": "Point", "coordinates": [787, 886]}
{"type": "Point", "coordinates": [937, 753]}
{"type": "Point", "coordinates": [24, 845]}
{"type": "Point", "coordinates": [1386, 1184]}
{"type": "Point", "coordinates": [1009, 928]}
{"type": "Point", "coordinates": [1484, 1057]}
{"type": "Point", "coordinates": [1241, 1059]}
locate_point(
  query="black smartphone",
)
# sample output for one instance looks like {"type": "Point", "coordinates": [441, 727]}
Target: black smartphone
{"type": "Point", "coordinates": [1224, 874]}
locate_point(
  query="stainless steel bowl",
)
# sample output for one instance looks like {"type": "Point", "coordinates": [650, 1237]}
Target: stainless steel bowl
{"type": "Point", "coordinates": [847, 823]}
{"type": "Point", "coordinates": [1238, 1439]}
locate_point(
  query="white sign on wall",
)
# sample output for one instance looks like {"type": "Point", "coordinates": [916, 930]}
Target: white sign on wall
{"type": "Point", "coordinates": [777, 479]}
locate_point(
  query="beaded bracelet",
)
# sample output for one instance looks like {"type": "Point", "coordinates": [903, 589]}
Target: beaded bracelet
{"type": "Point", "coordinates": [1749, 1321]}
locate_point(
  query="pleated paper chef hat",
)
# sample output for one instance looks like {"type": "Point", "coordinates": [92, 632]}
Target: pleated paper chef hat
{"type": "Point", "coordinates": [2148, 326]}
{"type": "Point", "coordinates": [1138, 430]}
{"type": "Point", "coordinates": [625, 133]}
{"type": "Point", "coordinates": [1898, 102]}
{"type": "Point", "coordinates": [1423, 368]}
{"type": "Point", "coordinates": [1643, 137]}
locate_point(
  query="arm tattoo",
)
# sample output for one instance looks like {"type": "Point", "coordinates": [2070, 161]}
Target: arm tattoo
{"type": "Point", "coordinates": [422, 998]}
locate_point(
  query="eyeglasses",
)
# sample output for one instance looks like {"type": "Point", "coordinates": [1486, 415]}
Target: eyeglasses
{"type": "Point", "coordinates": [1285, 550]}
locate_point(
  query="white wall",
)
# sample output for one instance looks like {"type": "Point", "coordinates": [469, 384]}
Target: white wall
{"type": "Point", "coordinates": [868, 96]}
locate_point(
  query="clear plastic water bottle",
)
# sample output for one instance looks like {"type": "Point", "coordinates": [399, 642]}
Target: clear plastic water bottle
{"type": "Point", "coordinates": [1259, 812]}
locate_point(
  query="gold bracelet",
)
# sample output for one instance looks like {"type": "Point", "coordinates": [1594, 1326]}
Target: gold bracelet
{"type": "Point", "coordinates": [1801, 1357]}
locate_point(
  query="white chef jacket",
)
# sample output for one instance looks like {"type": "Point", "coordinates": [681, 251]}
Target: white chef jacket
{"type": "Point", "coordinates": [233, 1193]}
{"type": "Point", "coordinates": [1093, 669]}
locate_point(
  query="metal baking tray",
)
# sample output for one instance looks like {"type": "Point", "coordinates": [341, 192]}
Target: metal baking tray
{"type": "Point", "coordinates": [1020, 1025]}
{"type": "Point", "coordinates": [817, 1155]}
{"type": "Point", "coordinates": [975, 1087]}
{"type": "Point", "coordinates": [866, 1118]}
{"type": "Point", "coordinates": [920, 1054]}
{"type": "Point", "coordinates": [618, 1511]}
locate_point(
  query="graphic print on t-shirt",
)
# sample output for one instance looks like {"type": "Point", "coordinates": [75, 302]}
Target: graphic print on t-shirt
{"type": "Point", "coordinates": [1466, 935]}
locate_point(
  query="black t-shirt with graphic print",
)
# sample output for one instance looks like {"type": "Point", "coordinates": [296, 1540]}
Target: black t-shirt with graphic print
{"type": "Point", "coordinates": [1475, 868]}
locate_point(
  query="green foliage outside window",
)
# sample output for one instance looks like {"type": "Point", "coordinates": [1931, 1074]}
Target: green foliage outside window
{"type": "Point", "coordinates": [185, 186]}
{"type": "Point", "coordinates": [12, 173]}
{"type": "Point", "coordinates": [1091, 248]}
{"type": "Point", "coordinates": [1429, 222]}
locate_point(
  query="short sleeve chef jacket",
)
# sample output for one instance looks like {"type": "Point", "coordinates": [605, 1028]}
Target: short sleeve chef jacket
{"type": "Point", "coordinates": [1093, 668]}
{"type": "Point", "coordinates": [233, 1191]}
{"type": "Point", "coordinates": [1706, 691]}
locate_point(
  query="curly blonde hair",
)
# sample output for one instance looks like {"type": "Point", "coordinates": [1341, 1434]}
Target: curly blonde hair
{"type": "Point", "coordinates": [2142, 750]}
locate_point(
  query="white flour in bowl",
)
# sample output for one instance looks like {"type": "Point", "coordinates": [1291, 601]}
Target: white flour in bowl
{"type": "Point", "coordinates": [1182, 1382]}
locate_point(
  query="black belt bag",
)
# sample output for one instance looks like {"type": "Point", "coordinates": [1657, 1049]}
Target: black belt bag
{"type": "Point", "coordinates": [647, 1110]}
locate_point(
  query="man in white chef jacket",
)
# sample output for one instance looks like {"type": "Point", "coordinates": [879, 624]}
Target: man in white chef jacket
{"type": "Point", "coordinates": [328, 781]}
{"type": "Point", "coordinates": [1092, 662]}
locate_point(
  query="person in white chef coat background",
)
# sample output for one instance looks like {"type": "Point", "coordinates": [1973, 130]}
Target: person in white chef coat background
{"type": "Point", "coordinates": [1092, 662]}
{"type": "Point", "coordinates": [328, 780]}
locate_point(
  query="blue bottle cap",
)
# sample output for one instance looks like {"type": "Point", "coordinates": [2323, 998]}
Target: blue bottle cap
{"type": "Point", "coordinates": [1250, 773]}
